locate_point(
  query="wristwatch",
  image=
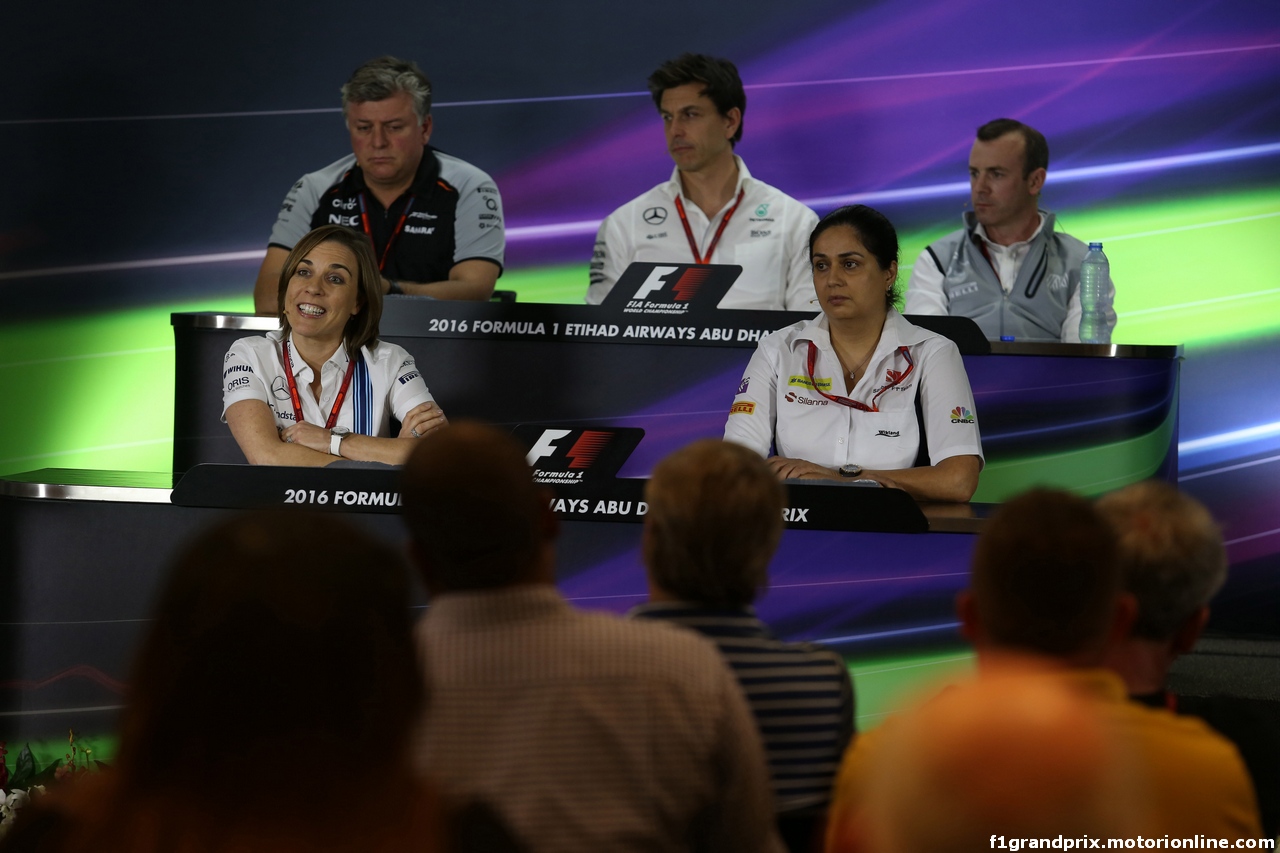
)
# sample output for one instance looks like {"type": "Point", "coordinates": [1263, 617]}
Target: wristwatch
{"type": "Point", "coordinates": [335, 440]}
{"type": "Point", "coordinates": [850, 470]}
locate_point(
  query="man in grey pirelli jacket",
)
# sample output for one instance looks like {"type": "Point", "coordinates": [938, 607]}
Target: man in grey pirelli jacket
{"type": "Point", "coordinates": [1007, 268]}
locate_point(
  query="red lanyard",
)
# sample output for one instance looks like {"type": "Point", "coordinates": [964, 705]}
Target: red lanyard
{"type": "Point", "coordinates": [368, 232]}
{"type": "Point", "coordinates": [688, 232]}
{"type": "Point", "coordinates": [297, 401]}
{"type": "Point", "coordinates": [854, 404]}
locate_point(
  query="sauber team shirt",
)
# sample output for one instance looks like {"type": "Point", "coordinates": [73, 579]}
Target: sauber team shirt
{"type": "Point", "coordinates": [768, 236]}
{"type": "Point", "coordinates": [254, 370]}
{"type": "Point", "coordinates": [452, 213]}
{"type": "Point", "coordinates": [777, 404]}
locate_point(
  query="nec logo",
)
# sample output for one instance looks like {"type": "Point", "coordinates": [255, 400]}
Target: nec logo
{"type": "Point", "coordinates": [581, 455]}
{"type": "Point", "coordinates": [684, 288]}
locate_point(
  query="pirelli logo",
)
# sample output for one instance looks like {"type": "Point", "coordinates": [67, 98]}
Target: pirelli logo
{"type": "Point", "coordinates": [742, 409]}
{"type": "Point", "coordinates": [806, 382]}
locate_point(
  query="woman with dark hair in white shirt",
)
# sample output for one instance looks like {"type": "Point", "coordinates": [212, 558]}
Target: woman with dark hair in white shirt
{"type": "Point", "coordinates": [859, 393]}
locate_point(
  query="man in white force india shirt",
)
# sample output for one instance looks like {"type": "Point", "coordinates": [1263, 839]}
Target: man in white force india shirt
{"type": "Point", "coordinates": [711, 211]}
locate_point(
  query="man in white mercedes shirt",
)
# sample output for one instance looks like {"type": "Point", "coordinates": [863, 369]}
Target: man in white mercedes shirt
{"type": "Point", "coordinates": [711, 211]}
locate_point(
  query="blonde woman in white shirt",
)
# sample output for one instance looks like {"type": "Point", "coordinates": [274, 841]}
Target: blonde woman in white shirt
{"type": "Point", "coordinates": [323, 386]}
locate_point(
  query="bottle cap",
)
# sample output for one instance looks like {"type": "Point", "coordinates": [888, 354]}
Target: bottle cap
{"type": "Point", "coordinates": [1093, 246]}
{"type": "Point", "coordinates": [1006, 337]}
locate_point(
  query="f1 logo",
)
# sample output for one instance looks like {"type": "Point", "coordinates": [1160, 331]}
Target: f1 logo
{"type": "Point", "coordinates": [570, 456]}
{"type": "Point", "coordinates": [545, 445]}
{"type": "Point", "coordinates": [655, 281]}
{"type": "Point", "coordinates": [581, 455]}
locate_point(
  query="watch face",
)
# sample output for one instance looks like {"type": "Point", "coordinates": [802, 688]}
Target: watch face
{"type": "Point", "coordinates": [340, 431]}
{"type": "Point", "coordinates": [850, 470]}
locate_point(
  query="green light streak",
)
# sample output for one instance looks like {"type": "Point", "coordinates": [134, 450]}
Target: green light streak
{"type": "Point", "coordinates": [1088, 471]}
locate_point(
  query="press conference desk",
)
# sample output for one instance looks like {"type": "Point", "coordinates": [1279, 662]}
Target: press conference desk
{"type": "Point", "coordinates": [83, 553]}
{"type": "Point", "coordinates": [1089, 418]}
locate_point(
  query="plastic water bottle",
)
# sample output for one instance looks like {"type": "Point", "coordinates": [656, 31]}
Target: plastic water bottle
{"type": "Point", "coordinates": [1097, 294]}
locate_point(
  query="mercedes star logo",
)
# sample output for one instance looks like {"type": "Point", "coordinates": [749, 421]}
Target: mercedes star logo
{"type": "Point", "coordinates": [655, 215]}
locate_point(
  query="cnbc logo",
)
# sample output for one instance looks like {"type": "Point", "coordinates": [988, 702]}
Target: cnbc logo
{"type": "Point", "coordinates": [961, 415]}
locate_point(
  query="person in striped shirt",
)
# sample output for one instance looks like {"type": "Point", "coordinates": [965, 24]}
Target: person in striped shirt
{"type": "Point", "coordinates": [713, 523]}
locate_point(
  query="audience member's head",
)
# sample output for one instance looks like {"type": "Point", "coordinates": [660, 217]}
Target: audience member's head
{"type": "Point", "coordinates": [1171, 555]}
{"type": "Point", "coordinates": [1172, 562]}
{"type": "Point", "coordinates": [277, 634]}
{"type": "Point", "coordinates": [1046, 581]}
{"type": "Point", "coordinates": [1010, 754]}
{"type": "Point", "coordinates": [271, 703]}
{"type": "Point", "coordinates": [713, 523]}
{"type": "Point", "coordinates": [476, 518]}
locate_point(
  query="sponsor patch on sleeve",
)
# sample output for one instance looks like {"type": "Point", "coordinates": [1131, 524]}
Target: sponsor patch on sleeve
{"type": "Point", "coordinates": [742, 409]}
{"type": "Point", "coordinates": [744, 384]}
{"type": "Point", "coordinates": [822, 384]}
{"type": "Point", "coordinates": [961, 415]}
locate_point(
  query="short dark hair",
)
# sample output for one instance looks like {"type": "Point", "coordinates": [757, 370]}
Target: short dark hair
{"type": "Point", "coordinates": [276, 633]}
{"type": "Point", "coordinates": [876, 233]}
{"type": "Point", "coordinates": [714, 521]}
{"type": "Point", "coordinates": [379, 79]}
{"type": "Point", "coordinates": [1046, 575]}
{"type": "Point", "coordinates": [472, 508]}
{"type": "Point", "coordinates": [1035, 149]}
{"type": "Point", "coordinates": [362, 328]}
{"type": "Point", "coordinates": [1171, 554]}
{"type": "Point", "coordinates": [719, 77]}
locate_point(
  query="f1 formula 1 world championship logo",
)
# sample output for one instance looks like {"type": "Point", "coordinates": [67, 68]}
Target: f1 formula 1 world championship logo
{"type": "Point", "coordinates": [574, 456]}
{"type": "Point", "coordinates": [683, 289]}
{"type": "Point", "coordinates": [583, 452]}
{"type": "Point", "coordinates": [671, 289]}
